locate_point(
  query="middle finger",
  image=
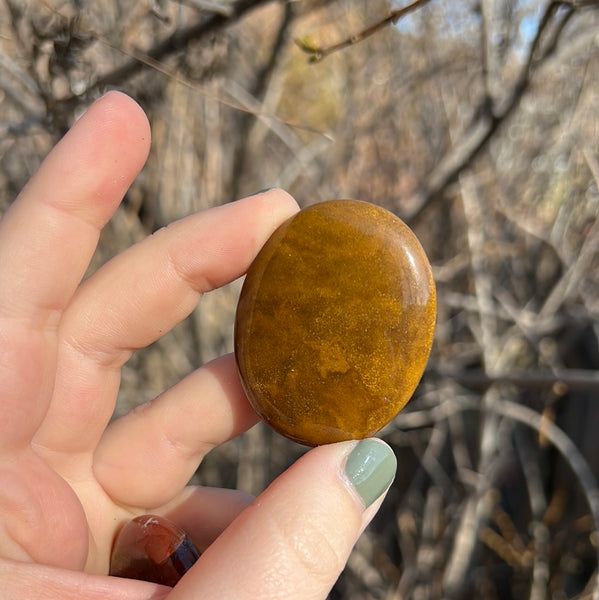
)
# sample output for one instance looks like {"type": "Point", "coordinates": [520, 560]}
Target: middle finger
{"type": "Point", "coordinates": [138, 297]}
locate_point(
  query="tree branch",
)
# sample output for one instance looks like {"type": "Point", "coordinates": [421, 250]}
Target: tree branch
{"type": "Point", "coordinates": [318, 53]}
{"type": "Point", "coordinates": [177, 41]}
{"type": "Point", "coordinates": [258, 91]}
{"type": "Point", "coordinates": [486, 123]}
{"type": "Point", "coordinates": [566, 379]}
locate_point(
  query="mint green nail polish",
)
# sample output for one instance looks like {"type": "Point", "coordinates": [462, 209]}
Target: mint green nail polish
{"type": "Point", "coordinates": [371, 468]}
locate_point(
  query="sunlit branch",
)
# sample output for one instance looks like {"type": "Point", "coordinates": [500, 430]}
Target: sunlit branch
{"type": "Point", "coordinates": [317, 53]}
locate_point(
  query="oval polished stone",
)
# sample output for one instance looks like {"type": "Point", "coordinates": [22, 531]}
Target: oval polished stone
{"type": "Point", "coordinates": [152, 548]}
{"type": "Point", "coordinates": [335, 322]}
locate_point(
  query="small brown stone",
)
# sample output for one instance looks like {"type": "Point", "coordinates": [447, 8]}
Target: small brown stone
{"type": "Point", "coordinates": [335, 322]}
{"type": "Point", "coordinates": [152, 548]}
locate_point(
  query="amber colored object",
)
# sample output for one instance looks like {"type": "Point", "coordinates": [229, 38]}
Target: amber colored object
{"type": "Point", "coordinates": [151, 548]}
{"type": "Point", "coordinates": [335, 322]}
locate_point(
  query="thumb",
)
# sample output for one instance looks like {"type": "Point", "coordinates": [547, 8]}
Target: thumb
{"type": "Point", "coordinates": [295, 539]}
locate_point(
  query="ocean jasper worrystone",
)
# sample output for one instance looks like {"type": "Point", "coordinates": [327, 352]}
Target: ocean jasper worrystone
{"type": "Point", "coordinates": [335, 322]}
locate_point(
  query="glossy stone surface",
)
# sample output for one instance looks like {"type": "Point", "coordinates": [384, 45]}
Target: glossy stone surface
{"type": "Point", "coordinates": [335, 322]}
{"type": "Point", "coordinates": [153, 549]}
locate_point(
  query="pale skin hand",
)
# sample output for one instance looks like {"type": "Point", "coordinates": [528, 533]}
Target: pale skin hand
{"type": "Point", "coordinates": [68, 478]}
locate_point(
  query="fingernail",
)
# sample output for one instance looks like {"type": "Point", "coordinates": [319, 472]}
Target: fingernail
{"type": "Point", "coordinates": [371, 468]}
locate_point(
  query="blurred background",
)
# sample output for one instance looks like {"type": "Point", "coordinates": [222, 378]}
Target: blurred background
{"type": "Point", "coordinates": [477, 122]}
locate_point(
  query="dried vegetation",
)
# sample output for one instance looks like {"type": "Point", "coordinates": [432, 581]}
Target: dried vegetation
{"type": "Point", "coordinates": [477, 122]}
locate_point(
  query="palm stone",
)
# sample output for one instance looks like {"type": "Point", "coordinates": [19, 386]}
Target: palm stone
{"type": "Point", "coordinates": [335, 322]}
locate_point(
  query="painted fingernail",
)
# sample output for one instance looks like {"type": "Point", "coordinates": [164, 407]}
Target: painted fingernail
{"type": "Point", "coordinates": [371, 468]}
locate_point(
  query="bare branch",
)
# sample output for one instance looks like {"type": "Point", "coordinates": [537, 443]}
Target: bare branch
{"type": "Point", "coordinates": [487, 122]}
{"type": "Point", "coordinates": [209, 6]}
{"type": "Point", "coordinates": [260, 88]}
{"type": "Point", "coordinates": [538, 507]}
{"type": "Point", "coordinates": [563, 379]}
{"type": "Point", "coordinates": [318, 53]}
{"type": "Point", "coordinates": [177, 41]}
{"type": "Point", "coordinates": [567, 449]}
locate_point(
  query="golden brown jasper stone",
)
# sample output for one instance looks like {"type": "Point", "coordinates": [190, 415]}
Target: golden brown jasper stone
{"type": "Point", "coordinates": [335, 322]}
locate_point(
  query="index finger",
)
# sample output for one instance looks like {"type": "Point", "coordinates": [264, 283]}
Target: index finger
{"type": "Point", "coordinates": [47, 238]}
{"type": "Point", "coordinates": [49, 234]}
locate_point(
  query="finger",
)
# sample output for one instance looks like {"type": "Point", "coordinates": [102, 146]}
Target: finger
{"type": "Point", "coordinates": [167, 438]}
{"type": "Point", "coordinates": [295, 539]}
{"type": "Point", "coordinates": [204, 513]}
{"type": "Point", "coordinates": [140, 295]}
{"type": "Point", "coordinates": [27, 580]}
{"type": "Point", "coordinates": [51, 230]}
{"type": "Point", "coordinates": [47, 238]}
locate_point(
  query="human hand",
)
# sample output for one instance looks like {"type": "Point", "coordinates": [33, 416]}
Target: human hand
{"type": "Point", "coordinates": [69, 479]}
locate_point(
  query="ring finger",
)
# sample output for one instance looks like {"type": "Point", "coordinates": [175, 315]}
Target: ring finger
{"type": "Point", "coordinates": [167, 438]}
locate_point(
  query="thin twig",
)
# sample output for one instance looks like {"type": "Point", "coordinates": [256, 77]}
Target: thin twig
{"type": "Point", "coordinates": [318, 53]}
{"type": "Point", "coordinates": [208, 6]}
{"type": "Point", "coordinates": [248, 104]}
{"type": "Point", "coordinates": [566, 379]}
{"type": "Point", "coordinates": [538, 506]}
{"type": "Point", "coordinates": [569, 452]}
{"type": "Point", "coordinates": [527, 416]}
